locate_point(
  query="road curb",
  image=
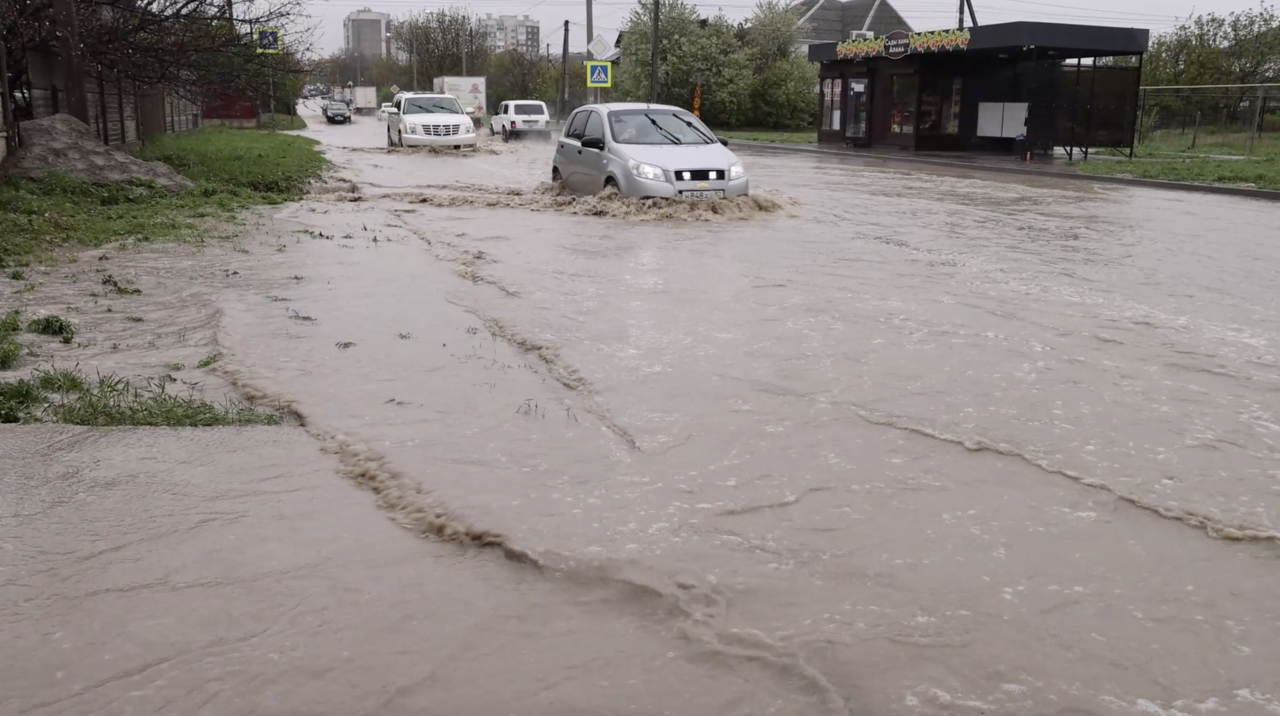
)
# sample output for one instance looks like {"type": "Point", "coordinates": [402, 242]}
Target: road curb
{"type": "Point", "coordinates": [1266, 194]}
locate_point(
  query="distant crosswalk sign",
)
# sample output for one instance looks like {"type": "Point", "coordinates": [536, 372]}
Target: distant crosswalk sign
{"type": "Point", "coordinates": [268, 41]}
{"type": "Point", "coordinates": [599, 74]}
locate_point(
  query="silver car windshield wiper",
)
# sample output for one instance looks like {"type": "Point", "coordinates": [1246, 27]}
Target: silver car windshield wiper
{"type": "Point", "coordinates": [664, 131]}
{"type": "Point", "coordinates": [694, 127]}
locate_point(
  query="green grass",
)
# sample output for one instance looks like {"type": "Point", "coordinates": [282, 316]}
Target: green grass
{"type": "Point", "coordinates": [10, 351]}
{"type": "Point", "coordinates": [274, 166]}
{"type": "Point", "coordinates": [1261, 173]}
{"type": "Point", "coordinates": [1207, 143]}
{"type": "Point", "coordinates": [69, 396]}
{"type": "Point", "coordinates": [12, 322]}
{"type": "Point", "coordinates": [51, 325]}
{"type": "Point", "coordinates": [283, 122]}
{"type": "Point", "coordinates": [233, 170]}
{"type": "Point", "coordinates": [804, 136]}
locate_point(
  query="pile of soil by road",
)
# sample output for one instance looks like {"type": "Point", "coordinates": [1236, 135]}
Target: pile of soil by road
{"type": "Point", "coordinates": [62, 144]}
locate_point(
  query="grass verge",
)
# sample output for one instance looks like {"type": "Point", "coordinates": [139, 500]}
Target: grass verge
{"type": "Point", "coordinates": [71, 397]}
{"type": "Point", "coordinates": [10, 348]}
{"type": "Point", "coordinates": [283, 122]}
{"type": "Point", "coordinates": [1260, 173]}
{"type": "Point", "coordinates": [806, 136]}
{"type": "Point", "coordinates": [232, 170]}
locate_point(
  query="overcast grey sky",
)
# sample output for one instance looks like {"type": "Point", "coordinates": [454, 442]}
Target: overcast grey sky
{"type": "Point", "coordinates": [609, 15]}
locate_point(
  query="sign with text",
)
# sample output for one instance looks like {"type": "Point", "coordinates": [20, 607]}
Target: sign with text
{"type": "Point", "coordinates": [900, 43]}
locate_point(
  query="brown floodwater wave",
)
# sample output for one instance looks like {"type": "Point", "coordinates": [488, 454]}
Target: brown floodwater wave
{"type": "Point", "coordinates": [609, 204]}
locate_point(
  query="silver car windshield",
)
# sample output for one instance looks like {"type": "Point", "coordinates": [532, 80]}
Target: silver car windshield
{"type": "Point", "coordinates": [431, 105]}
{"type": "Point", "coordinates": [657, 126]}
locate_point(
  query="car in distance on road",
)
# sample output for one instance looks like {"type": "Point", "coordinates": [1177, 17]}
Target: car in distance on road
{"type": "Point", "coordinates": [521, 117]}
{"type": "Point", "coordinates": [645, 151]}
{"type": "Point", "coordinates": [382, 111]}
{"type": "Point", "coordinates": [337, 113]}
{"type": "Point", "coordinates": [423, 119]}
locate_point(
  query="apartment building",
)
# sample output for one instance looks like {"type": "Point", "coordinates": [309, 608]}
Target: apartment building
{"type": "Point", "coordinates": [364, 33]}
{"type": "Point", "coordinates": [510, 32]}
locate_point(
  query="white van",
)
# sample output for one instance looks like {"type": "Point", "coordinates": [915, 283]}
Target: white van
{"type": "Point", "coordinates": [519, 117]}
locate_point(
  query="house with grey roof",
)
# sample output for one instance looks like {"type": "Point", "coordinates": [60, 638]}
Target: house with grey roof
{"type": "Point", "coordinates": [832, 20]}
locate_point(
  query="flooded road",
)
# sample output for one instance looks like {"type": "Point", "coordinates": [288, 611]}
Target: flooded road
{"type": "Point", "coordinates": [874, 442]}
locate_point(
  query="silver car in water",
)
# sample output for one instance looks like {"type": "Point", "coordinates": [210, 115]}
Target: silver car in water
{"type": "Point", "coordinates": [645, 151]}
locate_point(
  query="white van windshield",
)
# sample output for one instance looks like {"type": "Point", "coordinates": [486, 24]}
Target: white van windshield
{"type": "Point", "coordinates": [431, 105]}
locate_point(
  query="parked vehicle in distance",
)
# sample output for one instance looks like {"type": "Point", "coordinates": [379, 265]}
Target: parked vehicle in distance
{"type": "Point", "coordinates": [425, 119]}
{"type": "Point", "coordinates": [521, 117]}
{"type": "Point", "coordinates": [645, 151]}
{"type": "Point", "coordinates": [382, 111]}
{"type": "Point", "coordinates": [337, 113]}
{"type": "Point", "coordinates": [364, 100]}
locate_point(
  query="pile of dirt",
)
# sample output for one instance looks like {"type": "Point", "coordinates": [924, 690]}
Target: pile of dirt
{"type": "Point", "coordinates": [63, 144]}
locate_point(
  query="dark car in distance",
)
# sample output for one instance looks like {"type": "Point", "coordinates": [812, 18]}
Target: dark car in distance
{"type": "Point", "coordinates": [337, 113]}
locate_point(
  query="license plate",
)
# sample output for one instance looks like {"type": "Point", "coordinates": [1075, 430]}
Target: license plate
{"type": "Point", "coordinates": [530, 124]}
{"type": "Point", "coordinates": [703, 195]}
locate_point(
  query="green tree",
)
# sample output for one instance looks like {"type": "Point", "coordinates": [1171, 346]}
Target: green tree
{"type": "Point", "coordinates": [750, 74]}
{"type": "Point", "coordinates": [515, 75]}
{"type": "Point", "coordinates": [783, 94]}
{"type": "Point", "coordinates": [1239, 48]}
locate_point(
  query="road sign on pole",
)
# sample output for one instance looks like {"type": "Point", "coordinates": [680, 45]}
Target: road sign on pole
{"type": "Point", "coordinates": [599, 74]}
{"type": "Point", "coordinates": [394, 89]}
{"type": "Point", "coordinates": [598, 46]}
{"type": "Point", "coordinates": [268, 41]}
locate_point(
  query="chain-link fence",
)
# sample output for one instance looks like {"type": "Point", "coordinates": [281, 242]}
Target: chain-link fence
{"type": "Point", "coordinates": [1236, 120]}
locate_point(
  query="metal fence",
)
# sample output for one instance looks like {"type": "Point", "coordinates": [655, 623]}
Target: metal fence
{"type": "Point", "coordinates": [1231, 119]}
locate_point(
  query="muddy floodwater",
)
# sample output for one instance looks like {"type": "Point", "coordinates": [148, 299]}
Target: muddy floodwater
{"type": "Point", "coordinates": [874, 441]}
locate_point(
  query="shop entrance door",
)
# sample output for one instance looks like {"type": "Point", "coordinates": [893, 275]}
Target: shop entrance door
{"type": "Point", "coordinates": [857, 110]}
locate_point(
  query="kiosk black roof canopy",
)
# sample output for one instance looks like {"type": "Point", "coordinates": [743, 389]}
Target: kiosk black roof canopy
{"type": "Point", "coordinates": [1019, 38]}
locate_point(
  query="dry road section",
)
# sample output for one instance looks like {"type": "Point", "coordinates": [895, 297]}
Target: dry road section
{"type": "Point", "coordinates": [872, 442]}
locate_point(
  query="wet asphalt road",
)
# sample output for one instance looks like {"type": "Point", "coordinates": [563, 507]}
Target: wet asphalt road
{"type": "Point", "coordinates": [878, 442]}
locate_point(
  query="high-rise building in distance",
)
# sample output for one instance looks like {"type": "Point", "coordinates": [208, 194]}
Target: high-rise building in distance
{"type": "Point", "coordinates": [364, 33]}
{"type": "Point", "coordinates": [509, 32]}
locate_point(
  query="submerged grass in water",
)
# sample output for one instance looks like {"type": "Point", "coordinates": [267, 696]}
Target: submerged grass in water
{"type": "Point", "coordinates": [59, 395]}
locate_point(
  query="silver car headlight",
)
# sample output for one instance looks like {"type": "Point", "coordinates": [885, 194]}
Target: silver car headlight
{"type": "Point", "coordinates": [736, 171]}
{"type": "Point", "coordinates": [413, 127]}
{"type": "Point", "coordinates": [468, 128]}
{"type": "Point", "coordinates": [646, 171]}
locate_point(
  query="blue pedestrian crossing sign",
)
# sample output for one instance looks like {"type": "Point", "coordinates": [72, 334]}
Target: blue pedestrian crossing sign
{"type": "Point", "coordinates": [599, 74]}
{"type": "Point", "coordinates": [269, 41]}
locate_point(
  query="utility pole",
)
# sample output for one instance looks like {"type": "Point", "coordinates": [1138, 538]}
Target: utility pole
{"type": "Point", "coordinates": [467, 50]}
{"type": "Point", "coordinates": [595, 93]}
{"type": "Point", "coordinates": [413, 59]}
{"type": "Point", "coordinates": [653, 54]}
{"type": "Point", "coordinates": [72, 62]}
{"type": "Point", "coordinates": [564, 75]}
